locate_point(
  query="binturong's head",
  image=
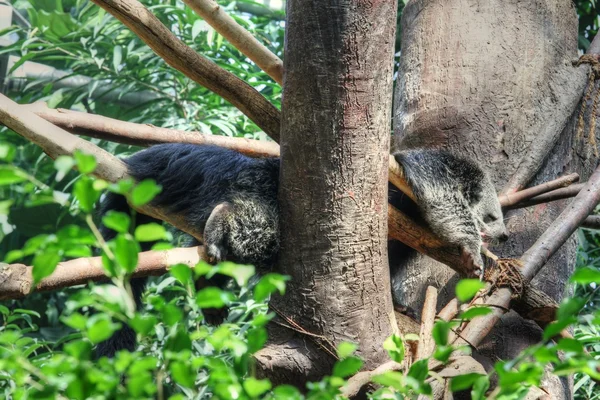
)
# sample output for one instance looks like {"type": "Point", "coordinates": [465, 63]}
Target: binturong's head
{"type": "Point", "coordinates": [488, 214]}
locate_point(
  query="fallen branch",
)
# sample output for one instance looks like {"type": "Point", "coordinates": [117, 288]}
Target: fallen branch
{"type": "Point", "coordinates": [243, 40]}
{"type": "Point", "coordinates": [512, 199]}
{"type": "Point", "coordinates": [426, 343]}
{"type": "Point", "coordinates": [535, 258]}
{"type": "Point", "coordinates": [16, 280]}
{"type": "Point", "coordinates": [546, 140]}
{"type": "Point", "coordinates": [198, 68]}
{"type": "Point", "coordinates": [105, 128]}
{"type": "Point", "coordinates": [55, 142]}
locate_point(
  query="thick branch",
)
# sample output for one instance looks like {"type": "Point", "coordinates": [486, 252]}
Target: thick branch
{"type": "Point", "coordinates": [534, 259]}
{"type": "Point", "coordinates": [243, 40]}
{"type": "Point", "coordinates": [16, 280]}
{"type": "Point", "coordinates": [57, 142]}
{"type": "Point", "coordinates": [200, 69]}
{"type": "Point", "coordinates": [105, 128]}
{"type": "Point", "coordinates": [546, 140]}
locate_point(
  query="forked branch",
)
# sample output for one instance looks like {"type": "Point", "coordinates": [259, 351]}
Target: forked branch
{"type": "Point", "coordinates": [200, 69]}
{"type": "Point", "coordinates": [243, 40]}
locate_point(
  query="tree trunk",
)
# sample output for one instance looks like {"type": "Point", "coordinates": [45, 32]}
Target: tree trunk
{"type": "Point", "coordinates": [333, 192]}
{"type": "Point", "coordinates": [484, 79]}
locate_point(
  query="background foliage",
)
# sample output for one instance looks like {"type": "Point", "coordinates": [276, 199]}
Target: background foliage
{"type": "Point", "coordinates": [46, 339]}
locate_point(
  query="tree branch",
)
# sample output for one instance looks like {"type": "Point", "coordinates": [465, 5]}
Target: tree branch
{"type": "Point", "coordinates": [16, 280]}
{"type": "Point", "coordinates": [511, 199]}
{"type": "Point", "coordinates": [243, 40]}
{"type": "Point", "coordinates": [198, 68]}
{"type": "Point", "coordinates": [105, 128]}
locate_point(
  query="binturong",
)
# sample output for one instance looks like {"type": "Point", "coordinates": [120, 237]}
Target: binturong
{"type": "Point", "coordinates": [232, 199]}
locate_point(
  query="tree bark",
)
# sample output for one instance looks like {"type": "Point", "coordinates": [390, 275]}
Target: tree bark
{"type": "Point", "coordinates": [486, 80]}
{"type": "Point", "coordinates": [333, 190]}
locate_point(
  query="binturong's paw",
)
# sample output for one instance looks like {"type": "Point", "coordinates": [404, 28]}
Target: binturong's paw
{"type": "Point", "coordinates": [215, 253]}
{"type": "Point", "coordinates": [472, 262]}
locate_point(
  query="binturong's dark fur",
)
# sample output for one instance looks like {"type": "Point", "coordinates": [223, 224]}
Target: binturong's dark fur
{"type": "Point", "coordinates": [232, 199]}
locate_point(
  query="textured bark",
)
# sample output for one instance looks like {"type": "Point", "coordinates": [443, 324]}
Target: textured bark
{"type": "Point", "coordinates": [333, 192]}
{"type": "Point", "coordinates": [486, 80]}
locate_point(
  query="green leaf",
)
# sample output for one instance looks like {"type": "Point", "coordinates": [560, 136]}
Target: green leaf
{"type": "Point", "coordinates": [117, 221]}
{"type": "Point", "coordinates": [182, 273]}
{"type": "Point", "coordinates": [151, 232]}
{"type": "Point", "coordinates": [63, 164]}
{"type": "Point", "coordinates": [255, 387]}
{"type": "Point", "coordinates": [212, 297]}
{"type": "Point", "coordinates": [179, 342]}
{"type": "Point", "coordinates": [144, 192]}
{"type": "Point", "coordinates": [239, 272]}
{"type": "Point", "coordinates": [464, 382]}
{"type": "Point", "coordinates": [7, 152]}
{"type": "Point", "coordinates": [79, 350]}
{"type": "Point", "coordinates": [269, 284]}
{"type": "Point", "coordinates": [5, 206]}
{"type": "Point", "coordinates": [143, 324]}
{"type": "Point", "coordinates": [570, 307]}
{"type": "Point", "coordinates": [466, 289]}
{"type": "Point", "coordinates": [347, 367]}
{"type": "Point", "coordinates": [474, 312]}
{"type": "Point", "coordinates": [86, 163]}
{"type": "Point", "coordinates": [171, 314]}
{"type": "Point", "coordinates": [571, 345]}
{"type": "Point", "coordinates": [117, 57]}
{"type": "Point", "coordinates": [101, 328]}
{"type": "Point", "coordinates": [256, 338]}
{"type": "Point", "coordinates": [44, 264]}
{"type": "Point", "coordinates": [199, 26]}
{"type": "Point", "coordinates": [480, 388]}
{"type": "Point", "coordinates": [440, 332]}
{"type": "Point", "coordinates": [395, 348]}
{"type": "Point", "coordinates": [419, 370]}
{"type": "Point", "coordinates": [182, 374]}
{"type": "Point", "coordinates": [392, 379]}
{"type": "Point", "coordinates": [443, 353]}
{"type": "Point", "coordinates": [585, 276]}
{"type": "Point", "coordinates": [86, 194]}
{"type": "Point", "coordinates": [286, 392]}
{"type": "Point", "coordinates": [126, 252]}
{"type": "Point", "coordinates": [346, 349]}
{"type": "Point", "coordinates": [10, 175]}
{"type": "Point", "coordinates": [76, 321]}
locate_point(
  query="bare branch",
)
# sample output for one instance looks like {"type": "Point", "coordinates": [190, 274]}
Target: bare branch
{"type": "Point", "coordinates": [591, 222]}
{"type": "Point", "coordinates": [200, 69]}
{"type": "Point", "coordinates": [426, 343]}
{"type": "Point", "coordinates": [512, 199]}
{"type": "Point", "coordinates": [55, 142]}
{"type": "Point", "coordinates": [16, 280]}
{"type": "Point", "coordinates": [243, 40]}
{"type": "Point", "coordinates": [100, 127]}
{"type": "Point", "coordinates": [558, 194]}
